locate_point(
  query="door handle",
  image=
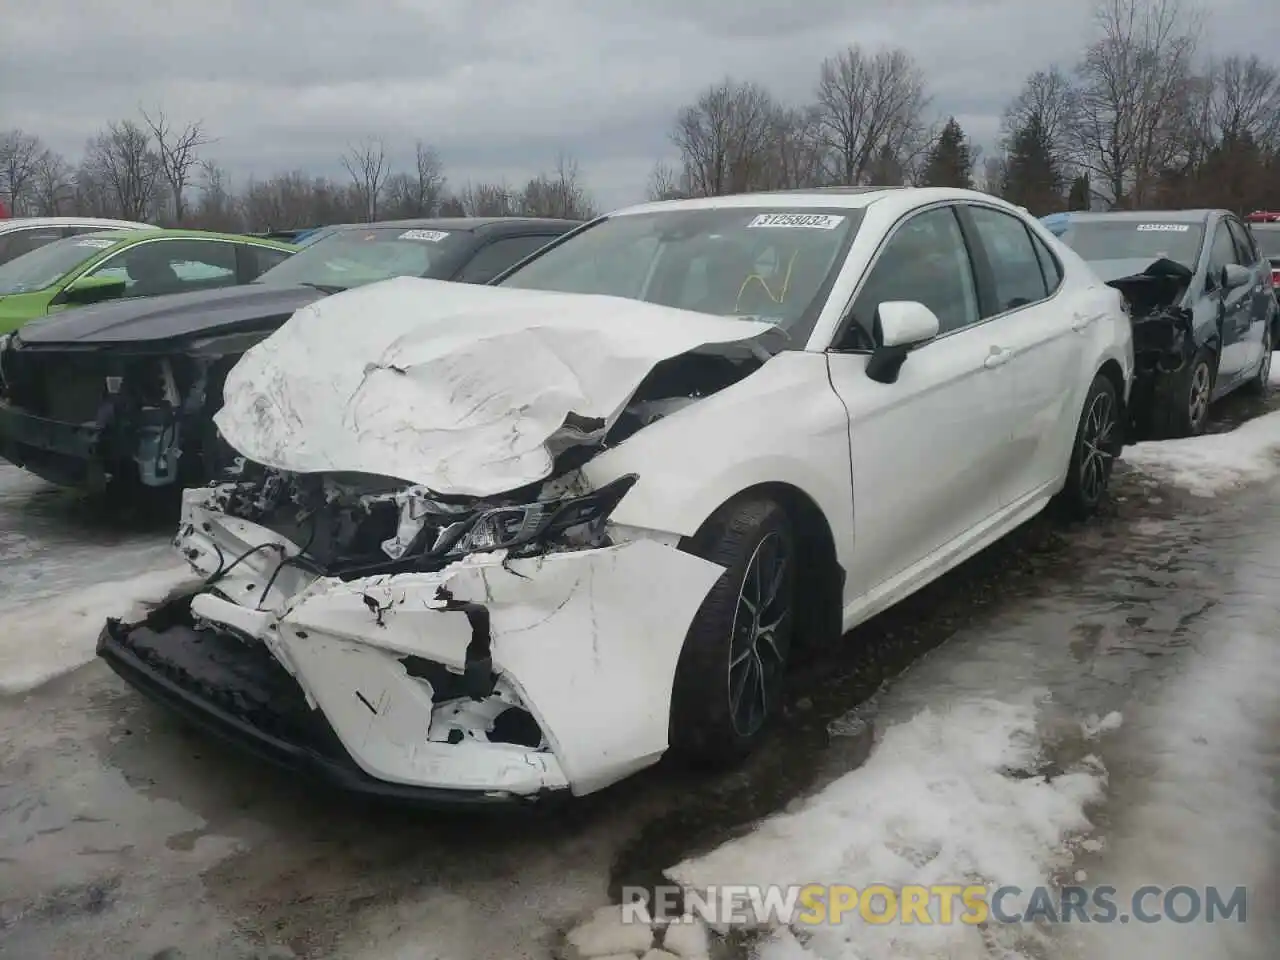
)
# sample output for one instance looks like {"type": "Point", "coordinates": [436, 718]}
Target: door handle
{"type": "Point", "coordinates": [1080, 323]}
{"type": "Point", "coordinates": [998, 357]}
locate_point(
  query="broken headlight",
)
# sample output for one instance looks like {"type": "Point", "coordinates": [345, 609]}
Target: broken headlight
{"type": "Point", "coordinates": [512, 527]}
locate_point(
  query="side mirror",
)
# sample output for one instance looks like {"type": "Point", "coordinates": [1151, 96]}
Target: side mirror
{"type": "Point", "coordinates": [1235, 276]}
{"type": "Point", "coordinates": [86, 290]}
{"type": "Point", "coordinates": [900, 326]}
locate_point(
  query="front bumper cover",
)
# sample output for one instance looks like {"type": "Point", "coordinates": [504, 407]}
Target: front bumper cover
{"type": "Point", "coordinates": [64, 453]}
{"type": "Point", "coordinates": [580, 658]}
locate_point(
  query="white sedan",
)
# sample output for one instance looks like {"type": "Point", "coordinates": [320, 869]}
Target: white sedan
{"type": "Point", "coordinates": [510, 541]}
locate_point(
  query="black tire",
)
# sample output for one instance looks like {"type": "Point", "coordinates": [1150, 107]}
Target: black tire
{"type": "Point", "coordinates": [1181, 407]}
{"type": "Point", "coordinates": [706, 730]}
{"type": "Point", "coordinates": [1260, 384]}
{"type": "Point", "coordinates": [1097, 443]}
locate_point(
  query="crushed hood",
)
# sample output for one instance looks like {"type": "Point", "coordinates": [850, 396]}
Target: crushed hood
{"type": "Point", "coordinates": [464, 389]}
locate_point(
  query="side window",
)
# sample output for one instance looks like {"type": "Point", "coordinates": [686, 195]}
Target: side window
{"type": "Point", "coordinates": [1221, 253]}
{"type": "Point", "coordinates": [495, 257]}
{"type": "Point", "coordinates": [1014, 264]}
{"type": "Point", "coordinates": [925, 260]}
{"type": "Point", "coordinates": [262, 259]}
{"type": "Point", "coordinates": [1049, 265]}
{"type": "Point", "coordinates": [18, 242]}
{"type": "Point", "coordinates": [158, 267]}
{"type": "Point", "coordinates": [1247, 253]}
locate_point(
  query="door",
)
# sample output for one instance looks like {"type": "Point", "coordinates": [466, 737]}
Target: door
{"type": "Point", "coordinates": [153, 268]}
{"type": "Point", "coordinates": [1029, 316]}
{"type": "Point", "coordinates": [923, 446]}
{"type": "Point", "coordinates": [1234, 309]}
{"type": "Point", "coordinates": [1261, 296]}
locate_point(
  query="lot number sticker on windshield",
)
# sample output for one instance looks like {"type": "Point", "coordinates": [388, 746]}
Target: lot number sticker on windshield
{"type": "Point", "coordinates": [100, 244]}
{"type": "Point", "coordinates": [434, 236]}
{"type": "Point", "coordinates": [1165, 227]}
{"type": "Point", "coordinates": [814, 221]}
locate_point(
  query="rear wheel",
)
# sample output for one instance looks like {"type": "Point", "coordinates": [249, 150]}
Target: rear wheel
{"type": "Point", "coordinates": [731, 672]}
{"type": "Point", "coordinates": [1097, 443]}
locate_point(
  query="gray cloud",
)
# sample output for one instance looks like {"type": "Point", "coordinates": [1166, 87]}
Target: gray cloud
{"type": "Point", "coordinates": [501, 87]}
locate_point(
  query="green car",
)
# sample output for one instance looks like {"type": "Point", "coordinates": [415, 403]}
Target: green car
{"type": "Point", "coordinates": [93, 267]}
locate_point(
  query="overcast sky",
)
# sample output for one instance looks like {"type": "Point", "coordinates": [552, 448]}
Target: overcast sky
{"type": "Point", "coordinates": [499, 86]}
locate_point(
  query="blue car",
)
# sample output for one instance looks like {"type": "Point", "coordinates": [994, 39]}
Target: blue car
{"type": "Point", "coordinates": [1200, 295]}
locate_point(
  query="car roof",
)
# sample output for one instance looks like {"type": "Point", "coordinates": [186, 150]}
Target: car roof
{"type": "Point", "coordinates": [128, 236]}
{"type": "Point", "coordinates": [850, 198]}
{"type": "Point", "coordinates": [459, 224]}
{"type": "Point", "coordinates": [1146, 216]}
{"type": "Point", "coordinates": [17, 223]}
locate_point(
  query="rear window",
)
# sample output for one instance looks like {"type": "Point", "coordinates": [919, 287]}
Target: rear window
{"type": "Point", "coordinates": [1100, 240]}
{"type": "Point", "coordinates": [1268, 239]}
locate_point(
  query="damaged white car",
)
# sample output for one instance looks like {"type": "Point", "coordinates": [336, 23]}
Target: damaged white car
{"type": "Point", "coordinates": [492, 543]}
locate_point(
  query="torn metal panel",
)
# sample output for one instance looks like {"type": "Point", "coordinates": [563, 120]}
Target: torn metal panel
{"type": "Point", "coordinates": [465, 390]}
{"type": "Point", "coordinates": [490, 673]}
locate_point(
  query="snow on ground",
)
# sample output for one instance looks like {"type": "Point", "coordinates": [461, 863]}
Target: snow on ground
{"type": "Point", "coordinates": [1215, 463]}
{"type": "Point", "coordinates": [42, 638]}
{"type": "Point", "coordinates": [1203, 761]}
{"type": "Point", "coordinates": [947, 797]}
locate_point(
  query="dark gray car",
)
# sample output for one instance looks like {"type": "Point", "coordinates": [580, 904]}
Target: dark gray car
{"type": "Point", "coordinates": [121, 395]}
{"type": "Point", "coordinates": [1199, 290]}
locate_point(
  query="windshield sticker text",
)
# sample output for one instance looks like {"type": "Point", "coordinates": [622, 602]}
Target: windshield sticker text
{"type": "Point", "coordinates": [1165, 227]}
{"type": "Point", "coordinates": [100, 244]}
{"type": "Point", "coordinates": [813, 221]}
{"type": "Point", "coordinates": [433, 236]}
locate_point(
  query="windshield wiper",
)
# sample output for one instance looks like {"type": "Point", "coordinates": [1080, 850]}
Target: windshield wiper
{"type": "Point", "coordinates": [322, 287]}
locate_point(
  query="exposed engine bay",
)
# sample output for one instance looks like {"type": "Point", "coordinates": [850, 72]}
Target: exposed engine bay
{"type": "Point", "coordinates": [1163, 333]}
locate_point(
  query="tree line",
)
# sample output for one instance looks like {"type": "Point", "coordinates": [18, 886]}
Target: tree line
{"type": "Point", "coordinates": [1146, 118]}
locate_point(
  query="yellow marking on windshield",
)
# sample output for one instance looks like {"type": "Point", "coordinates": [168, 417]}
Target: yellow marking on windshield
{"type": "Point", "coordinates": [764, 285]}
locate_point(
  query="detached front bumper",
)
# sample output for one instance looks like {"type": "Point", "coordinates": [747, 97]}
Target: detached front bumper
{"type": "Point", "coordinates": [487, 680]}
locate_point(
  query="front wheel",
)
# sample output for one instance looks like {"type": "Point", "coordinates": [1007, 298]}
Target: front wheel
{"type": "Point", "coordinates": [730, 676]}
{"type": "Point", "coordinates": [1097, 444]}
{"type": "Point", "coordinates": [1182, 401]}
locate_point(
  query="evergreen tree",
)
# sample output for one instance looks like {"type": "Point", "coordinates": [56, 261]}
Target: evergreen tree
{"type": "Point", "coordinates": [1081, 195]}
{"type": "Point", "coordinates": [1032, 177]}
{"type": "Point", "coordinates": [950, 161]}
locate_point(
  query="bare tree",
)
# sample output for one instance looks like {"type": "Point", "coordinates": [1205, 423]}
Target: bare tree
{"type": "Point", "coordinates": [797, 155]}
{"type": "Point", "coordinates": [126, 168]}
{"type": "Point", "coordinates": [724, 138]}
{"type": "Point", "coordinates": [216, 207]}
{"type": "Point", "coordinates": [559, 193]}
{"type": "Point", "coordinates": [1137, 88]}
{"type": "Point", "coordinates": [178, 149]}
{"type": "Point", "coordinates": [665, 183]}
{"type": "Point", "coordinates": [488, 200]}
{"type": "Point", "coordinates": [1047, 100]}
{"type": "Point", "coordinates": [53, 185]}
{"type": "Point", "coordinates": [366, 162]}
{"type": "Point", "coordinates": [1246, 101]}
{"type": "Point", "coordinates": [866, 104]}
{"type": "Point", "coordinates": [19, 158]}
{"type": "Point", "coordinates": [416, 194]}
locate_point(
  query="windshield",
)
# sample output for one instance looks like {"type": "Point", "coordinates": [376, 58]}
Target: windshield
{"type": "Point", "coordinates": [748, 262]}
{"type": "Point", "coordinates": [1099, 240]}
{"type": "Point", "coordinates": [1268, 240]}
{"type": "Point", "coordinates": [45, 266]}
{"type": "Point", "coordinates": [352, 258]}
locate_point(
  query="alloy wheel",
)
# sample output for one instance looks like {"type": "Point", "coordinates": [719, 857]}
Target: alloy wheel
{"type": "Point", "coordinates": [758, 646]}
{"type": "Point", "coordinates": [1198, 401]}
{"type": "Point", "coordinates": [1096, 443]}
